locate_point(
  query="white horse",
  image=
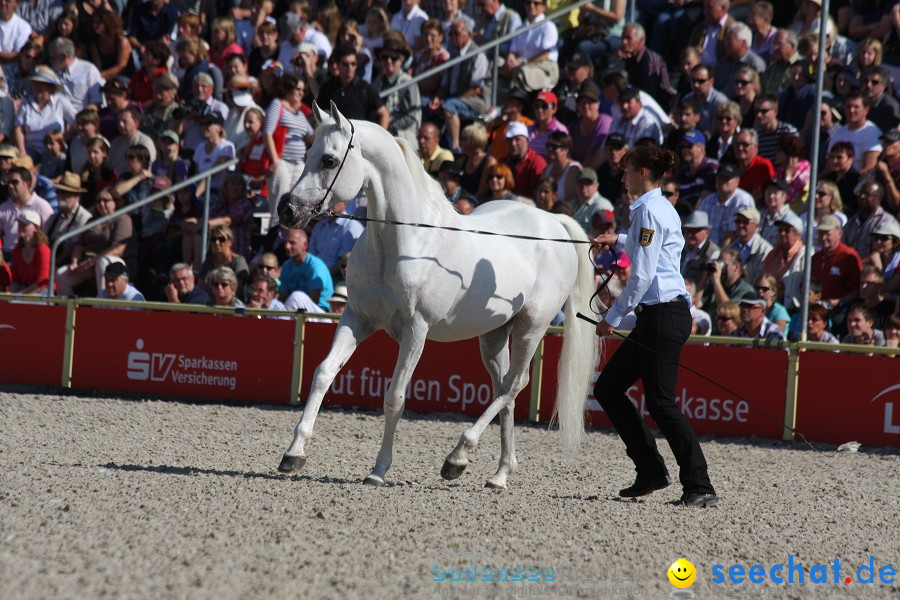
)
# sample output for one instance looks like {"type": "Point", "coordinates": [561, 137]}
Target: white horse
{"type": "Point", "coordinates": [420, 284]}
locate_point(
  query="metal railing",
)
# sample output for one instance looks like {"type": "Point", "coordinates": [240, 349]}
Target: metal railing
{"type": "Point", "coordinates": [206, 175]}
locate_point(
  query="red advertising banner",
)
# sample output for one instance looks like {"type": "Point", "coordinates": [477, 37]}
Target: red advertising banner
{"type": "Point", "coordinates": [32, 339]}
{"type": "Point", "coordinates": [212, 356]}
{"type": "Point", "coordinates": [849, 397]}
{"type": "Point", "coordinates": [450, 377]}
{"type": "Point", "coordinates": [758, 375]}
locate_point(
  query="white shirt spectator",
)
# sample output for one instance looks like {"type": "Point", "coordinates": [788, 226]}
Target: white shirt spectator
{"type": "Point", "coordinates": [409, 25]}
{"type": "Point", "coordinates": [9, 218]}
{"type": "Point", "coordinates": [81, 83]}
{"type": "Point", "coordinates": [721, 214]}
{"type": "Point", "coordinates": [130, 293]}
{"type": "Point", "coordinates": [865, 139]}
{"type": "Point", "coordinates": [14, 33]}
{"type": "Point", "coordinates": [537, 41]}
{"type": "Point", "coordinates": [319, 40]}
{"type": "Point", "coordinates": [649, 104]}
{"type": "Point", "coordinates": [36, 123]}
{"type": "Point", "coordinates": [642, 125]}
{"type": "Point", "coordinates": [207, 160]}
{"type": "Point", "coordinates": [193, 132]}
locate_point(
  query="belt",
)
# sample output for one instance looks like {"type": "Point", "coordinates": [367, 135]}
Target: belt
{"type": "Point", "coordinates": [676, 300]}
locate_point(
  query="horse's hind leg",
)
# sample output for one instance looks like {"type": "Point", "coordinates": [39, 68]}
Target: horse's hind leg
{"type": "Point", "coordinates": [350, 333]}
{"type": "Point", "coordinates": [411, 345]}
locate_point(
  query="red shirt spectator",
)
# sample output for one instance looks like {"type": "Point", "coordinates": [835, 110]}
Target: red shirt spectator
{"type": "Point", "coordinates": [526, 164]}
{"type": "Point", "coordinates": [837, 266]}
{"type": "Point", "coordinates": [756, 171]}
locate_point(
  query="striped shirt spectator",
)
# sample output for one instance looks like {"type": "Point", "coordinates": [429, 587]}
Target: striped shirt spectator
{"type": "Point", "coordinates": [723, 205]}
{"type": "Point", "coordinates": [297, 126]}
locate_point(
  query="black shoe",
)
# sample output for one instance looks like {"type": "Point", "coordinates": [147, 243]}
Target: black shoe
{"type": "Point", "coordinates": [642, 487]}
{"type": "Point", "coordinates": [694, 500]}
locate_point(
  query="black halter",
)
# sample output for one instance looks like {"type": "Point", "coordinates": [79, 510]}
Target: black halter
{"type": "Point", "coordinates": [318, 208]}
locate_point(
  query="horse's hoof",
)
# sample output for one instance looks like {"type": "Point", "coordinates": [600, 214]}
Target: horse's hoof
{"type": "Point", "coordinates": [374, 480]}
{"type": "Point", "coordinates": [291, 464]}
{"type": "Point", "coordinates": [491, 485]}
{"type": "Point", "coordinates": [450, 471]}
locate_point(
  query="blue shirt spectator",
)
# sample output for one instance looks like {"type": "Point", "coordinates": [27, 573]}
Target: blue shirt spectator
{"type": "Point", "coordinates": [304, 272]}
{"type": "Point", "coordinates": [333, 238]}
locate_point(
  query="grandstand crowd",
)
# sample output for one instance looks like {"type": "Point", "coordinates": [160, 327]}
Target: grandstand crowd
{"type": "Point", "coordinates": [103, 103]}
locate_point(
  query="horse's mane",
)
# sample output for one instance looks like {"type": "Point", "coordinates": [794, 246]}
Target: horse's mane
{"type": "Point", "coordinates": [428, 191]}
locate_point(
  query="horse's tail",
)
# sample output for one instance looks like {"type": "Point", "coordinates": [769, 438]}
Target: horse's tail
{"type": "Point", "coordinates": [580, 347]}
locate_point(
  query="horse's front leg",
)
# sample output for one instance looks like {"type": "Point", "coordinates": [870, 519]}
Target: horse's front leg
{"type": "Point", "coordinates": [350, 333]}
{"type": "Point", "coordinates": [411, 345]}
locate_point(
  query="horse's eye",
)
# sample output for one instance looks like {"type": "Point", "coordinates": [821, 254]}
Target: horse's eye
{"type": "Point", "coordinates": [329, 162]}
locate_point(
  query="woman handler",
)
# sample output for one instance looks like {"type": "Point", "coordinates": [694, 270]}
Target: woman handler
{"type": "Point", "coordinates": [656, 293]}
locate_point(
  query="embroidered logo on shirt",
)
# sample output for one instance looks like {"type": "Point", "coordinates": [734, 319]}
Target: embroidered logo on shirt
{"type": "Point", "coordinates": [646, 236]}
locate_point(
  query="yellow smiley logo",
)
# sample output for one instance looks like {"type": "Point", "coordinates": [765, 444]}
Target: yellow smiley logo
{"type": "Point", "coordinates": [682, 573]}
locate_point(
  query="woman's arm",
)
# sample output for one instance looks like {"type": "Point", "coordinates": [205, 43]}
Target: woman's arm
{"type": "Point", "coordinates": [126, 185]}
{"type": "Point", "coordinates": [122, 59]}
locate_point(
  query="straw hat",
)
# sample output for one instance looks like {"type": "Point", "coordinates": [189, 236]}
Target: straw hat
{"type": "Point", "coordinates": [69, 182]}
{"type": "Point", "coordinates": [44, 74]}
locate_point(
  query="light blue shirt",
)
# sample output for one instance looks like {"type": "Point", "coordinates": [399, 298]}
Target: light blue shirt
{"type": "Point", "coordinates": [130, 293]}
{"type": "Point", "coordinates": [308, 276]}
{"type": "Point", "coordinates": [653, 243]}
{"type": "Point", "coordinates": [333, 238]}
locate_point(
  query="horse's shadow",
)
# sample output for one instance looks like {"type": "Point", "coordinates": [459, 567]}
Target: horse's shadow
{"type": "Point", "coordinates": [189, 471]}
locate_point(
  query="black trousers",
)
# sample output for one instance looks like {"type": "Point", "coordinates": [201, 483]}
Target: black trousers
{"type": "Point", "coordinates": [664, 328]}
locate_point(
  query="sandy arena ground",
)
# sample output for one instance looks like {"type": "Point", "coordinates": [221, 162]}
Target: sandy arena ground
{"type": "Point", "coordinates": [120, 498]}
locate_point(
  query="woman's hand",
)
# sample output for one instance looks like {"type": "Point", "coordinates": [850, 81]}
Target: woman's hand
{"type": "Point", "coordinates": [271, 170]}
{"type": "Point", "coordinates": [604, 329]}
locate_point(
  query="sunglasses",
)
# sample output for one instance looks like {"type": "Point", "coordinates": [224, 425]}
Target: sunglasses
{"type": "Point", "coordinates": [821, 193]}
{"type": "Point", "coordinates": [762, 111]}
{"type": "Point", "coordinates": [496, 177]}
{"type": "Point", "coordinates": [541, 106]}
{"type": "Point", "coordinates": [762, 288]}
{"type": "Point", "coordinates": [220, 239]}
{"type": "Point", "coordinates": [220, 284]}
{"type": "Point", "coordinates": [726, 118]}
{"type": "Point", "coordinates": [741, 82]}
{"type": "Point", "coordinates": [699, 81]}
{"type": "Point", "coordinates": [668, 194]}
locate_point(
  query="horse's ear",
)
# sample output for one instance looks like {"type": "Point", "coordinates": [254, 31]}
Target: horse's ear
{"type": "Point", "coordinates": [340, 119]}
{"type": "Point", "coordinates": [319, 114]}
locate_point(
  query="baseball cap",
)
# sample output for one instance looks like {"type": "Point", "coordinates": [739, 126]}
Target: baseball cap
{"type": "Point", "coordinates": [115, 270]}
{"type": "Point", "coordinates": [589, 174]}
{"type": "Point", "coordinates": [792, 220]}
{"type": "Point", "coordinates": [548, 97]}
{"type": "Point", "coordinates": [168, 133]}
{"type": "Point", "coordinates": [615, 141]}
{"type": "Point", "coordinates": [215, 117]}
{"type": "Point", "coordinates": [695, 136]}
{"type": "Point", "coordinates": [589, 91]}
{"type": "Point", "coordinates": [579, 60]}
{"type": "Point", "coordinates": [30, 216]}
{"type": "Point", "coordinates": [752, 299]}
{"type": "Point", "coordinates": [891, 136]}
{"type": "Point", "coordinates": [516, 128]}
{"type": "Point", "coordinates": [749, 212]}
{"type": "Point", "coordinates": [828, 222]}
{"type": "Point", "coordinates": [779, 183]}
{"type": "Point", "coordinates": [728, 171]}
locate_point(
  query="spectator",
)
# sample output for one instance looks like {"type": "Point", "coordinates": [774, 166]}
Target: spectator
{"type": "Point", "coordinates": [449, 177]}
{"type": "Point", "coordinates": [430, 151]}
{"type": "Point", "coordinates": [892, 332]}
{"type": "Point", "coordinates": [222, 254]}
{"type": "Point", "coordinates": [182, 287]}
{"type": "Point", "coordinates": [873, 295]}
{"type": "Point", "coordinates": [747, 91]}
{"type": "Point", "coordinates": [40, 14]}
{"type": "Point", "coordinates": [669, 188]}
{"type": "Point", "coordinates": [647, 70]}
{"type": "Point", "coordinates": [545, 193]}
{"type": "Point", "coordinates": [464, 89]}
{"type": "Point", "coordinates": [110, 50]}
{"type": "Point", "coordinates": [267, 34]}
{"type": "Point", "coordinates": [54, 163]}
{"type": "Point", "coordinates": [97, 174]}
{"type": "Point", "coordinates": [799, 99]}
{"type": "Point", "coordinates": [726, 277]}
{"type": "Point", "coordinates": [525, 163]}
{"type": "Point", "coordinates": [859, 131]}
{"type": "Point", "coordinates": [829, 122]}
{"type": "Point", "coordinates": [589, 131]}
{"type": "Point", "coordinates": [154, 59]}
{"type": "Point", "coordinates": [80, 80]}
{"type": "Point", "coordinates": [152, 20]}
{"type": "Point", "coordinates": [785, 261]}
{"type": "Point", "coordinates": [408, 21]}
{"type": "Point", "coordinates": [793, 169]}
{"type": "Point", "coordinates": [699, 251]}
{"type": "Point", "coordinates": [294, 30]}
{"type": "Point", "coordinates": [767, 287]}
{"type": "Point", "coordinates": [704, 93]}
{"type": "Point", "coordinates": [688, 59]}
{"type": "Point", "coordinates": [828, 202]}
{"type": "Point", "coordinates": [885, 109]}
{"type": "Point", "coordinates": [21, 198]}
{"type": "Point", "coordinates": [562, 169]}
{"type": "Point", "coordinates": [215, 151]}
{"type": "Point", "coordinates": [756, 171]}
{"type": "Point", "coordinates": [513, 111]}
{"type": "Point", "coordinates": [239, 99]}
{"type": "Point", "coordinates": [168, 162]}
{"type": "Point", "coordinates": [16, 31]}
{"type": "Point", "coordinates": [579, 69]}
{"type": "Point", "coordinates": [475, 160]}
{"type": "Point", "coordinates": [355, 98]}
{"type": "Point", "coordinates": [839, 169]}
{"type": "Point", "coordinates": [16, 73]}
{"type": "Point", "coordinates": [589, 201]}
{"type": "Point", "coordinates": [777, 76]}
{"type": "Point", "coordinates": [264, 293]}
{"type": "Point", "coordinates": [134, 183]}
{"type": "Point", "coordinates": [500, 184]}
{"type": "Point", "coordinates": [184, 231]}
{"type": "Point", "coordinates": [887, 169]}
{"type": "Point", "coordinates": [403, 106]}
{"type": "Point", "coordinates": [545, 123]}
{"type": "Point", "coordinates": [754, 323]}
{"type": "Point", "coordinates": [696, 174]}
{"type": "Point", "coordinates": [886, 255]}
{"type": "Point", "coordinates": [723, 205]}
{"type": "Point", "coordinates": [377, 23]}
{"type": "Point", "coordinates": [197, 109]}
{"type": "Point", "coordinates": [116, 93]}
{"type": "Point", "coordinates": [333, 237]}
{"type": "Point", "coordinates": [768, 128]}
{"type": "Point", "coordinates": [98, 247]}
{"type": "Point", "coordinates": [817, 325]}
{"type": "Point", "coordinates": [686, 116]}
{"type": "Point", "coordinates": [223, 283]}
{"type": "Point", "coordinates": [728, 318]}
{"type": "Point", "coordinates": [288, 136]}
{"type": "Point", "coordinates": [117, 286]}
{"type": "Point", "coordinates": [760, 22]}
{"type": "Point", "coordinates": [636, 122]}
{"type": "Point", "coordinates": [496, 21]}
{"type": "Point", "coordinates": [610, 172]}
{"type": "Point", "coordinates": [737, 43]}
{"type": "Point", "coordinates": [857, 233]}
{"type": "Point", "coordinates": [861, 327]}
{"type": "Point", "coordinates": [44, 111]}
{"type": "Point", "coordinates": [129, 135]}
{"type": "Point", "coordinates": [615, 83]}
{"type": "Point", "coordinates": [71, 215]}
{"type": "Point", "coordinates": [223, 42]}
{"type": "Point", "coordinates": [31, 257]}
{"type": "Point", "coordinates": [340, 299]}
{"type": "Point", "coordinates": [433, 54]}
{"type": "Point", "coordinates": [702, 322]}
{"type": "Point", "coordinates": [304, 273]}
{"type": "Point", "coordinates": [709, 35]}
{"type": "Point", "coordinates": [837, 266]}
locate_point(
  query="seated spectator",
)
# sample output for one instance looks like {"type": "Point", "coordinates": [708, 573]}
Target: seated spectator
{"type": "Point", "coordinates": [837, 266]}
{"type": "Point", "coordinates": [892, 332]}
{"type": "Point", "coordinates": [646, 69]}
{"type": "Point", "coordinates": [154, 59]}
{"type": "Point", "coordinates": [223, 284]}
{"type": "Point", "coordinates": [54, 162]}
{"type": "Point", "coordinates": [669, 189]}
{"type": "Point", "coordinates": [545, 194]}
{"type": "Point", "coordinates": [862, 133]}
{"type": "Point", "coordinates": [97, 174]}
{"type": "Point", "coordinates": [756, 171]}
{"type": "Point", "coordinates": [430, 150]}
{"type": "Point", "coordinates": [857, 233]}
{"type": "Point", "coordinates": [531, 63]}
{"type": "Point", "coordinates": [500, 184]}
{"type": "Point", "coordinates": [433, 54]}
{"type": "Point", "coordinates": [775, 212]}
{"type": "Point", "coordinates": [267, 35]}
{"type": "Point", "coordinates": [223, 41]}
{"type": "Point", "coordinates": [702, 323]}
{"type": "Point", "coordinates": [839, 169]}
{"type": "Point", "coordinates": [885, 109]}
{"type": "Point", "coordinates": [150, 21]}
{"type": "Point", "coordinates": [80, 79]}
{"type": "Point", "coordinates": [466, 205]}
{"type": "Point", "coordinates": [873, 294]}
{"type": "Point", "coordinates": [129, 135]}
{"type": "Point", "coordinates": [705, 95]}
{"type": "Point", "coordinates": [403, 106]}
{"type": "Point", "coordinates": [449, 176]}
{"type": "Point", "coordinates": [16, 73]}
{"type": "Point", "coordinates": [333, 237]}
{"type": "Point", "coordinates": [355, 98]}
{"type": "Point", "coordinates": [751, 246]}
{"type": "Point", "coordinates": [579, 69]}
{"type": "Point", "coordinates": [723, 205]}
{"type": "Point", "coordinates": [767, 287]}
{"type": "Point", "coordinates": [236, 211]}
{"type": "Point", "coordinates": [408, 20]}
{"type": "Point", "coordinates": [134, 182]}
{"type": "Point", "coordinates": [738, 53]}
{"type": "Point", "coordinates": [590, 129]}
{"type": "Point", "coordinates": [635, 123]}
{"type": "Point", "coordinates": [799, 99]}
{"type": "Point", "coordinates": [526, 164]}
{"type": "Point", "coordinates": [686, 116]}
{"type": "Point", "coordinates": [45, 109]}
{"type": "Point", "coordinates": [748, 91]}
{"type": "Point", "coordinates": [71, 215]}
{"type": "Point", "coordinates": [777, 76]}
{"type": "Point", "coordinates": [182, 287]}
{"type": "Point", "coordinates": [696, 174]}
{"type": "Point", "coordinates": [610, 172]}
{"type": "Point", "coordinates": [768, 128]}
{"type": "Point", "coordinates": [710, 34]}
{"type": "Point", "coordinates": [264, 293]}
{"type": "Point", "coordinates": [760, 22]}
{"type": "Point", "coordinates": [785, 261]}
{"type": "Point", "coordinates": [168, 163]}
{"type": "Point", "coordinates": [754, 323]}
{"type": "Point", "coordinates": [98, 247]}
{"type": "Point", "coordinates": [793, 169]}
{"type": "Point", "coordinates": [861, 327]}
{"type": "Point", "coordinates": [589, 200]}
{"type": "Point", "coordinates": [214, 151]}
{"type": "Point", "coordinates": [512, 111]}
{"type": "Point", "coordinates": [561, 168]}
{"type": "Point", "coordinates": [817, 325]}
{"type": "Point", "coordinates": [886, 255]}
{"type": "Point", "coordinates": [19, 184]}
{"type": "Point", "coordinates": [699, 251]}
{"type": "Point", "coordinates": [340, 299]}
{"type": "Point", "coordinates": [239, 98]}
{"type": "Point", "coordinates": [161, 114]}
{"type": "Point", "coordinates": [87, 127]}
{"type": "Point", "coordinates": [305, 273]}
{"type": "Point", "coordinates": [221, 254]}
{"type": "Point", "coordinates": [728, 318]}
{"type": "Point", "coordinates": [31, 257]}
{"type": "Point", "coordinates": [545, 123]}
{"type": "Point", "coordinates": [496, 20]}
{"type": "Point", "coordinates": [184, 232]}
{"type": "Point", "coordinates": [117, 286]}
{"type": "Point", "coordinates": [117, 99]}
{"type": "Point", "coordinates": [887, 169]}
{"type": "Point", "coordinates": [727, 278]}
{"type": "Point", "coordinates": [827, 202]}
{"type": "Point", "coordinates": [110, 50]}
{"type": "Point", "coordinates": [474, 160]}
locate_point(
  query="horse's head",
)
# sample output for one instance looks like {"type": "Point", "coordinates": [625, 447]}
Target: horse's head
{"type": "Point", "coordinates": [333, 171]}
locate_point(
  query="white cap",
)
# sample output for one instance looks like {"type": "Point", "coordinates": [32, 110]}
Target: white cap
{"type": "Point", "coordinates": [30, 216]}
{"type": "Point", "coordinates": [516, 128]}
